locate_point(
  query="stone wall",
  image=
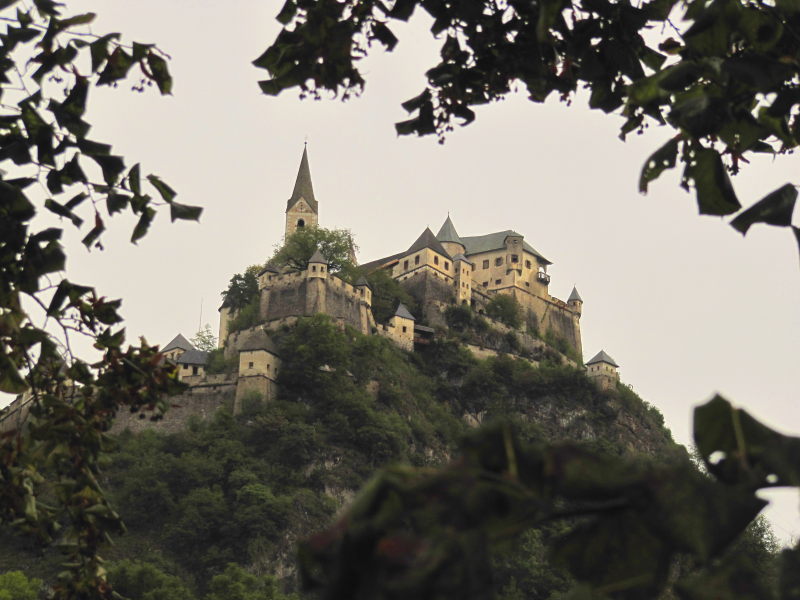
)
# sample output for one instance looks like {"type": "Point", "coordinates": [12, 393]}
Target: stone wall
{"type": "Point", "coordinates": [430, 292]}
{"type": "Point", "coordinates": [201, 402]}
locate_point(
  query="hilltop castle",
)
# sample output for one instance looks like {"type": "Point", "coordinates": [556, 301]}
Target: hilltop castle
{"type": "Point", "coordinates": [438, 271]}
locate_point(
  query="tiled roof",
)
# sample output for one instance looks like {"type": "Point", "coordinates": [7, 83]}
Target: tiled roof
{"type": "Point", "coordinates": [496, 241]}
{"type": "Point", "coordinates": [258, 340]}
{"type": "Point", "coordinates": [193, 357]}
{"type": "Point", "coordinates": [427, 240]}
{"type": "Point", "coordinates": [448, 232]}
{"type": "Point", "coordinates": [178, 342]}
{"type": "Point", "coordinates": [403, 313]}
{"type": "Point", "coordinates": [602, 357]}
{"type": "Point", "coordinates": [574, 295]}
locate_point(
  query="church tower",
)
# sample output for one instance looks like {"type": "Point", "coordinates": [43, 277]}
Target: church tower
{"type": "Point", "coordinates": [302, 209]}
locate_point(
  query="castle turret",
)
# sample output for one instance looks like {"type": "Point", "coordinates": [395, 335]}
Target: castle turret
{"type": "Point", "coordinates": [317, 265]}
{"type": "Point", "coordinates": [463, 268]}
{"type": "Point", "coordinates": [575, 301]}
{"type": "Point", "coordinates": [449, 238]}
{"type": "Point", "coordinates": [258, 368]}
{"type": "Point", "coordinates": [302, 209]}
{"type": "Point", "coordinates": [401, 328]}
{"type": "Point", "coordinates": [364, 290]}
{"type": "Point", "coordinates": [602, 370]}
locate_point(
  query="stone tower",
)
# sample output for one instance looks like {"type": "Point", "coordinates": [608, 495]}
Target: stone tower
{"type": "Point", "coordinates": [602, 370]}
{"type": "Point", "coordinates": [302, 209]}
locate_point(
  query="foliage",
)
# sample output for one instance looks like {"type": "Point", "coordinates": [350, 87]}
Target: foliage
{"type": "Point", "coordinates": [247, 316]}
{"type": "Point", "coordinates": [336, 245]}
{"type": "Point", "coordinates": [458, 317]}
{"type": "Point", "coordinates": [387, 295]}
{"type": "Point", "coordinates": [204, 339]}
{"type": "Point", "coordinates": [50, 65]}
{"type": "Point", "coordinates": [217, 363]}
{"type": "Point", "coordinates": [727, 86]}
{"type": "Point", "coordinates": [424, 533]}
{"type": "Point", "coordinates": [237, 584]}
{"type": "Point", "coordinates": [242, 289]}
{"type": "Point", "coordinates": [561, 344]}
{"type": "Point", "coordinates": [138, 580]}
{"type": "Point", "coordinates": [14, 585]}
{"type": "Point", "coordinates": [506, 309]}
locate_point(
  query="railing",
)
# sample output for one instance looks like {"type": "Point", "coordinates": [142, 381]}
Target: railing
{"type": "Point", "coordinates": [543, 277]}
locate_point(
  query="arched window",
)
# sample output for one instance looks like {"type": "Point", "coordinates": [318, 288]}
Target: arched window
{"type": "Point", "coordinates": [300, 223]}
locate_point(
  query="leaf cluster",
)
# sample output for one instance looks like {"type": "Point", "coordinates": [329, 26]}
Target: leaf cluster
{"type": "Point", "coordinates": [727, 86]}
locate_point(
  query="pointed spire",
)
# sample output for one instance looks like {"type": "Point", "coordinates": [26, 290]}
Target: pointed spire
{"type": "Point", "coordinates": [448, 232]}
{"type": "Point", "coordinates": [574, 296]}
{"type": "Point", "coordinates": [179, 342]}
{"type": "Point", "coordinates": [302, 186]}
{"type": "Point", "coordinates": [603, 357]}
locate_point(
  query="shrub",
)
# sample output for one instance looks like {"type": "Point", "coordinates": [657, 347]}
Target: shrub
{"type": "Point", "coordinates": [506, 309]}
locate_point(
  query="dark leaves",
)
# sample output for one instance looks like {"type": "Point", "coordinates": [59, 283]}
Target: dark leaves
{"type": "Point", "coordinates": [775, 208]}
{"type": "Point", "coordinates": [715, 195]}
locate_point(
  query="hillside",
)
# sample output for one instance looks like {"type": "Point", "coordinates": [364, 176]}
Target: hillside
{"type": "Point", "coordinates": [243, 489]}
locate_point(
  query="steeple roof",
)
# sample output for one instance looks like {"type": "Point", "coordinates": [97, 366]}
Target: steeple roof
{"type": "Point", "coordinates": [448, 232]}
{"type": "Point", "coordinates": [403, 312]}
{"type": "Point", "coordinates": [427, 240]}
{"type": "Point", "coordinates": [178, 342]}
{"type": "Point", "coordinates": [603, 357]}
{"type": "Point", "coordinates": [317, 257]}
{"type": "Point", "coordinates": [574, 296]}
{"type": "Point", "coordinates": [302, 185]}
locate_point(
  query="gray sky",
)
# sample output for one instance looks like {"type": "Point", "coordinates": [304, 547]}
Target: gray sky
{"type": "Point", "coordinates": [684, 304]}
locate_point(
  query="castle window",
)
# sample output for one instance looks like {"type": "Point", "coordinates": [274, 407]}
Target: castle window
{"type": "Point", "coordinates": [301, 223]}
{"type": "Point", "coordinates": [486, 264]}
{"type": "Point", "coordinates": [514, 258]}
{"type": "Point", "coordinates": [405, 328]}
{"type": "Point", "coordinates": [405, 265]}
{"type": "Point", "coordinates": [194, 370]}
{"type": "Point", "coordinates": [527, 264]}
{"type": "Point", "coordinates": [497, 282]}
{"type": "Point", "coordinates": [436, 260]}
{"type": "Point", "coordinates": [416, 259]}
{"type": "Point", "coordinates": [313, 268]}
{"type": "Point", "coordinates": [498, 262]}
{"type": "Point", "coordinates": [485, 284]}
{"type": "Point", "coordinates": [446, 266]}
{"type": "Point", "coordinates": [322, 269]}
{"type": "Point", "coordinates": [250, 365]}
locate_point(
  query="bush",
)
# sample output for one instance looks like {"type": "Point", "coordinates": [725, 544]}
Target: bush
{"type": "Point", "coordinates": [506, 309]}
{"type": "Point", "coordinates": [246, 318]}
{"type": "Point", "coordinates": [217, 363]}
{"type": "Point", "coordinates": [458, 316]}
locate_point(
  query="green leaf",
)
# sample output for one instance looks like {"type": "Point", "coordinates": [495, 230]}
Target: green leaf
{"type": "Point", "coordinates": [143, 224]}
{"type": "Point", "coordinates": [116, 202]}
{"type": "Point", "coordinates": [117, 66]}
{"type": "Point", "coordinates": [287, 13]}
{"type": "Point", "coordinates": [166, 192]}
{"type": "Point", "coordinates": [790, 574]}
{"type": "Point", "coordinates": [11, 382]}
{"type": "Point", "coordinates": [775, 208]}
{"type": "Point", "coordinates": [662, 159]}
{"type": "Point", "coordinates": [160, 72]}
{"type": "Point", "coordinates": [99, 50]}
{"type": "Point", "coordinates": [184, 212]}
{"type": "Point", "coordinates": [111, 165]}
{"type": "Point", "coordinates": [715, 195]}
{"type": "Point", "coordinates": [134, 180]}
{"type": "Point", "coordinates": [384, 35]}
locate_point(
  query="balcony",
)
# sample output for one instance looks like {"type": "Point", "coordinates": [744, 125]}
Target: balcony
{"type": "Point", "coordinates": [543, 277]}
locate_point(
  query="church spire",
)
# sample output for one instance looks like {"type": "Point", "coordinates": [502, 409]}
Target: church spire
{"type": "Point", "coordinates": [302, 208]}
{"type": "Point", "coordinates": [302, 185]}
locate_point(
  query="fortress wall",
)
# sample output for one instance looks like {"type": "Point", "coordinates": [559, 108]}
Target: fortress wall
{"type": "Point", "coordinates": [429, 290]}
{"type": "Point", "coordinates": [195, 403]}
{"type": "Point", "coordinates": [287, 300]}
{"type": "Point", "coordinates": [343, 303]}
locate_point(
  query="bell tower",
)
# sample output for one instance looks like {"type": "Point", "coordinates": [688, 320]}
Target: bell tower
{"type": "Point", "coordinates": [302, 208]}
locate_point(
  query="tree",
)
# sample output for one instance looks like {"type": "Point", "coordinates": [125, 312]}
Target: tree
{"type": "Point", "coordinates": [205, 339]}
{"type": "Point", "coordinates": [336, 245]}
{"type": "Point", "coordinates": [242, 289]}
{"type": "Point", "coordinates": [48, 70]}
{"type": "Point", "coordinates": [728, 85]}
{"type": "Point", "coordinates": [14, 585]}
{"type": "Point", "coordinates": [506, 309]}
{"type": "Point", "coordinates": [626, 522]}
{"type": "Point", "coordinates": [387, 295]}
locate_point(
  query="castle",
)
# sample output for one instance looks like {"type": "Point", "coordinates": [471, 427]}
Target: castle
{"type": "Point", "coordinates": [438, 271]}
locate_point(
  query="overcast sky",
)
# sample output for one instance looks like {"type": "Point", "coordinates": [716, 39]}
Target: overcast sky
{"type": "Point", "coordinates": [684, 304]}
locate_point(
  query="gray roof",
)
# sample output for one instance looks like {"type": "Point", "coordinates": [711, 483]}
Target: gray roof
{"type": "Point", "coordinates": [403, 313]}
{"type": "Point", "coordinates": [269, 267]}
{"type": "Point", "coordinates": [448, 232]}
{"type": "Point", "coordinates": [460, 256]}
{"type": "Point", "coordinates": [178, 342]}
{"type": "Point", "coordinates": [317, 257]}
{"type": "Point", "coordinates": [302, 185]}
{"type": "Point", "coordinates": [373, 265]}
{"type": "Point", "coordinates": [574, 295]}
{"type": "Point", "coordinates": [603, 357]}
{"type": "Point", "coordinates": [496, 241]}
{"type": "Point", "coordinates": [427, 240]}
{"type": "Point", "coordinates": [258, 340]}
{"type": "Point", "coordinates": [193, 357]}
{"type": "Point", "coordinates": [363, 281]}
